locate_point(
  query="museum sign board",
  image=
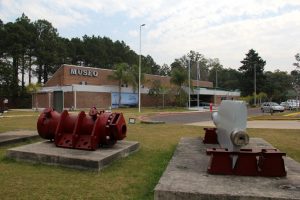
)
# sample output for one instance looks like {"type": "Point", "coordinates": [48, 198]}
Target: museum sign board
{"type": "Point", "coordinates": [83, 72]}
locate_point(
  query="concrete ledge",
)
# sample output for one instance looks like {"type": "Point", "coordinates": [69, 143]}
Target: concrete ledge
{"type": "Point", "coordinates": [47, 153]}
{"type": "Point", "coordinates": [16, 136]}
{"type": "Point", "coordinates": [186, 177]}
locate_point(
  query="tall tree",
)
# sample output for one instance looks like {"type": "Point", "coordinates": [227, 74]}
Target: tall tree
{"type": "Point", "coordinates": [149, 66]}
{"type": "Point", "coordinates": [215, 69]}
{"type": "Point", "coordinates": [196, 57]}
{"type": "Point", "coordinates": [45, 51]}
{"type": "Point", "coordinates": [164, 70]}
{"type": "Point", "coordinates": [121, 75]}
{"type": "Point", "coordinates": [297, 63]}
{"type": "Point", "coordinates": [24, 44]}
{"type": "Point", "coordinates": [226, 78]}
{"type": "Point", "coordinates": [193, 58]}
{"type": "Point", "coordinates": [179, 77]}
{"type": "Point", "coordinates": [133, 77]}
{"type": "Point", "coordinates": [253, 65]}
{"type": "Point", "coordinates": [276, 85]}
{"type": "Point", "coordinates": [6, 79]}
{"type": "Point", "coordinates": [28, 40]}
{"type": "Point", "coordinates": [13, 47]}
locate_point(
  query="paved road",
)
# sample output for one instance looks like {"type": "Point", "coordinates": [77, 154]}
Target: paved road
{"type": "Point", "coordinates": [269, 124]}
{"type": "Point", "coordinates": [191, 117]}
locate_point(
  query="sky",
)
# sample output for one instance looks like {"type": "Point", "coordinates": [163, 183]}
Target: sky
{"type": "Point", "coordinates": [223, 29]}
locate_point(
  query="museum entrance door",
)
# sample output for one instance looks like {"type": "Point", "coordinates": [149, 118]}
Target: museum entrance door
{"type": "Point", "coordinates": [58, 100]}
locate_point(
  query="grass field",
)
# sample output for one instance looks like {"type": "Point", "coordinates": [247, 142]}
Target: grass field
{"type": "Point", "coordinates": [133, 177]}
{"type": "Point", "coordinates": [287, 115]}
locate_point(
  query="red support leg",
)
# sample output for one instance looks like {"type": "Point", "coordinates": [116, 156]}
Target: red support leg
{"type": "Point", "coordinates": [210, 136]}
{"type": "Point", "coordinates": [246, 164]}
{"type": "Point", "coordinates": [271, 163]}
{"type": "Point", "coordinates": [220, 161]}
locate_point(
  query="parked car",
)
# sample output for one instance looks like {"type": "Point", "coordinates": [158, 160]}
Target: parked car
{"type": "Point", "coordinates": [287, 105]}
{"type": "Point", "coordinates": [295, 103]}
{"type": "Point", "coordinates": [271, 107]}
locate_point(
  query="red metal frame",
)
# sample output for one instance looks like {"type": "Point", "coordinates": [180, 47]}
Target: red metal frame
{"type": "Point", "coordinates": [265, 162]}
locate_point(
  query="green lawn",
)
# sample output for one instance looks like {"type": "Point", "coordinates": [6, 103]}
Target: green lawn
{"type": "Point", "coordinates": [133, 177]}
{"type": "Point", "coordinates": [286, 115]}
{"type": "Point", "coordinates": [16, 120]}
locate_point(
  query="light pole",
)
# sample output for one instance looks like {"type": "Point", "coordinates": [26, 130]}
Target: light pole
{"type": "Point", "coordinates": [189, 84]}
{"type": "Point", "coordinates": [216, 85]}
{"type": "Point", "coordinates": [140, 66]}
{"type": "Point", "coordinates": [198, 79]}
{"type": "Point", "coordinates": [254, 84]}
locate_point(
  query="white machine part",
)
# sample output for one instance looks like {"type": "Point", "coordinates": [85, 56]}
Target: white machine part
{"type": "Point", "coordinates": [231, 124]}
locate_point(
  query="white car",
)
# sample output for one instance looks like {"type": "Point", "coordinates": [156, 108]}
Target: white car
{"type": "Point", "coordinates": [271, 107]}
{"type": "Point", "coordinates": [294, 103]}
{"type": "Point", "coordinates": [287, 105]}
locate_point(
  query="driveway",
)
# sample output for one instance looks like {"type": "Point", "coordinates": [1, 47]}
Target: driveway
{"type": "Point", "coordinates": [204, 119]}
{"type": "Point", "coordinates": [193, 116]}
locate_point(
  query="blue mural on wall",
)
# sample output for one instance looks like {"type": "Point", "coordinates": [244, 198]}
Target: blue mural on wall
{"type": "Point", "coordinates": [127, 99]}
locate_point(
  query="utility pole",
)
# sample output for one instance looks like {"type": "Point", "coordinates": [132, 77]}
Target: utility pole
{"type": "Point", "coordinates": [216, 85]}
{"type": "Point", "coordinates": [198, 79]}
{"type": "Point", "coordinates": [189, 84]}
{"type": "Point", "coordinates": [140, 66]}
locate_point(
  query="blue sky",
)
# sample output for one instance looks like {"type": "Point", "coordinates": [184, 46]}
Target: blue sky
{"type": "Point", "coordinates": [224, 29]}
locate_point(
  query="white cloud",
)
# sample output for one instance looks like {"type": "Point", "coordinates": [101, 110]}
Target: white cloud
{"type": "Point", "coordinates": [59, 14]}
{"type": "Point", "coordinates": [224, 29]}
{"type": "Point", "coordinates": [228, 32]}
{"type": "Point", "coordinates": [133, 33]}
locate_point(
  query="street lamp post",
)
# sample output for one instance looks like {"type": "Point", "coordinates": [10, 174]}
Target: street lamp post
{"type": "Point", "coordinates": [216, 85]}
{"type": "Point", "coordinates": [140, 66]}
{"type": "Point", "coordinates": [189, 84]}
{"type": "Point", "coordinates": [198, 89]}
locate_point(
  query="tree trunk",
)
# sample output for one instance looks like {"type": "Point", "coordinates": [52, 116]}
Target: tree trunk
{"type": "Point", "coordinates": [15, 76]}
{"type": "Point", "coordinates": [40, 70]}
{"type": "Point", "coordinates": [45, 77]}
{"type": "Point", "coordinates": [29, 68]}
{"type": "Point", "coordinates": [23, 72]}
{"type": "Point", "coordinates": [120, 84]}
